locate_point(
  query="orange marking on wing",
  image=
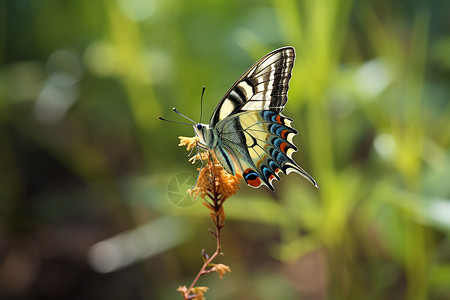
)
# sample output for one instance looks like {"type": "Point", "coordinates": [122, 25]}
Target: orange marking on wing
{"type": "Point", "coordinates": [271, 177]}
{"type": "Point", "coordinates": [284, 133]}
{"type": "Point", "coordinates": [277, 171]}
{"type": "Point", "coordinates": [254, 182]}
{"type": "Point", "coordinates": [278, 119]}
{"type": "Point", "coordinates": [283, 147]}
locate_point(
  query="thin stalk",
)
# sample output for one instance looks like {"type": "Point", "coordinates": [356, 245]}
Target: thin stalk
{"type": "Point", "coordinates": [203, 270]}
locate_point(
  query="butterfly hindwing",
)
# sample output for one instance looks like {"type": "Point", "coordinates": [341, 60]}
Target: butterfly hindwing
{"type": "Point", "coordinates": [261, 144]}
{"type": "Point", "coordinates": [263, 86]}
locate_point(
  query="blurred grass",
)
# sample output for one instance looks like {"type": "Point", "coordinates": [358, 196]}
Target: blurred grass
{"type": "Point", "coordinates": [84, 158]}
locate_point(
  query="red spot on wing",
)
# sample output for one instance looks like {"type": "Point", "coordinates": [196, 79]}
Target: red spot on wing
{"type": "Point", "coordinates": [277, 171]}
{"type": "Point", "coordinates": [254, 182]}
{"type": "Point", "coordinates": [283, 147]}
{"type": "Point", "coordinates": [284, 133]}
{"type": "Point", "coordinates": [252, 178]}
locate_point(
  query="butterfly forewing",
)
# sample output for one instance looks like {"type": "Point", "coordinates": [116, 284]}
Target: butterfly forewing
{"type": "Point", "coordinates": [263, 86]}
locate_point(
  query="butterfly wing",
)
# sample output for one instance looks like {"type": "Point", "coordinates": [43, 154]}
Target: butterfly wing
{"type": "Point", "coordinates": [260, 143]}
{"type": "Point", "coordinates": [263, 86]}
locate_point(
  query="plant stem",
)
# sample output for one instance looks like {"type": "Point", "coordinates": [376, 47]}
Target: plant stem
{"type": "Point", "coordinates": [203, 270]}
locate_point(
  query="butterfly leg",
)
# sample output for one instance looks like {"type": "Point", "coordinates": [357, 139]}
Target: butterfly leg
{"type": "Point", "coordinates": [199, 146]}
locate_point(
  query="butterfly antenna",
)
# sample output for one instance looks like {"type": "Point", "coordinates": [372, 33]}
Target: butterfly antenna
{"type": "Point", "coordinates": [201, 103]}
{"type": "Point", "coordinates": [162, 119]}
{"type": "Point", "coordinates": [175, 110]}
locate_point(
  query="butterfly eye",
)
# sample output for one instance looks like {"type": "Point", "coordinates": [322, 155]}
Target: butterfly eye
{"type": "Point", "coordinates": [199, 126]}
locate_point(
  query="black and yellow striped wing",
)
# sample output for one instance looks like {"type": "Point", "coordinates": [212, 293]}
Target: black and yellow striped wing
{"type": "Point", "coordinates": [263, 86]}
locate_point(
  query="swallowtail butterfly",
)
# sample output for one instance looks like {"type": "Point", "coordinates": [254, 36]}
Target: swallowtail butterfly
{"type": "Point", "coordinates": [247, 131]}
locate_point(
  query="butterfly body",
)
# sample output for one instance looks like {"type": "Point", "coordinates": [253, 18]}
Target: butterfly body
{"type": "Point", "coordinates": [247, 131]}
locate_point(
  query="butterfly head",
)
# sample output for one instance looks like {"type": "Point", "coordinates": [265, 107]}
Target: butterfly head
{"type": "Point", "coordinates": [201, 130]}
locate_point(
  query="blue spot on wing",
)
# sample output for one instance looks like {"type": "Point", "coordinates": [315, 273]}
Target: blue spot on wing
{"type": "Point", "coordinates": [250, 175]}
{"type": "Point", "coordinates": [266, 171]}
{"type": "Point", "coordinates": [273, 165]}
{"type": "Point", "coordinates": [268, 114]}
{"type": "Point", "coordinates": [279, 157]}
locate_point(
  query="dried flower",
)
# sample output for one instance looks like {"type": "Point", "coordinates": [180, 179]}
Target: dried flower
{"type": "Point", "coordinates": [221, 269]}
{"type": "Point", "coordinates": [190, 142]}
{"type": "Point", "coordinates": [182, 289]}
{"type": "Point", "coordinates": [215, 182]}
{"type": "Point", "coordinates": [199, 291]}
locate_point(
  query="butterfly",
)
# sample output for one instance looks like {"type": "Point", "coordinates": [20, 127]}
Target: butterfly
{"type": "Point", "coordinates": [247, 131]}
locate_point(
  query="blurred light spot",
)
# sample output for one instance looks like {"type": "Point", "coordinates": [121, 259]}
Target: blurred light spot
{"type": "Point", "coordinates": [385, 145]}
{"type": "Point", "coordinates": [259, 29]}
{"type": "Point", "coordinates": [60, 89]}
{"type": "Point", "coordinates": [137, 244]}
{"type": "Point", "coordinates": [372, 78]}
{"type": "Point", "coordinates": [64, 68]}
{"type": "Point", "coordinates": [160, 67]}
{"type": "Point", "coordinates": [439, 211]}
{"type": "Point", "coordinates": [100, 59]}
{"type": "Point", "coordinates": [245, 38]}
{"type": "Point", "coordinates": [137, 10]}
{"type": "Point", "coordinates": [53, 102]}
{"type": "Point", "coordinates": [341, 102]}
{"type": "Point", "coordinates": [104, 257]}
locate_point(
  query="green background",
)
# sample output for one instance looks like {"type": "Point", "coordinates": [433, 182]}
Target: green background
{"type": "Point", "coordinates": [85, 211]}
